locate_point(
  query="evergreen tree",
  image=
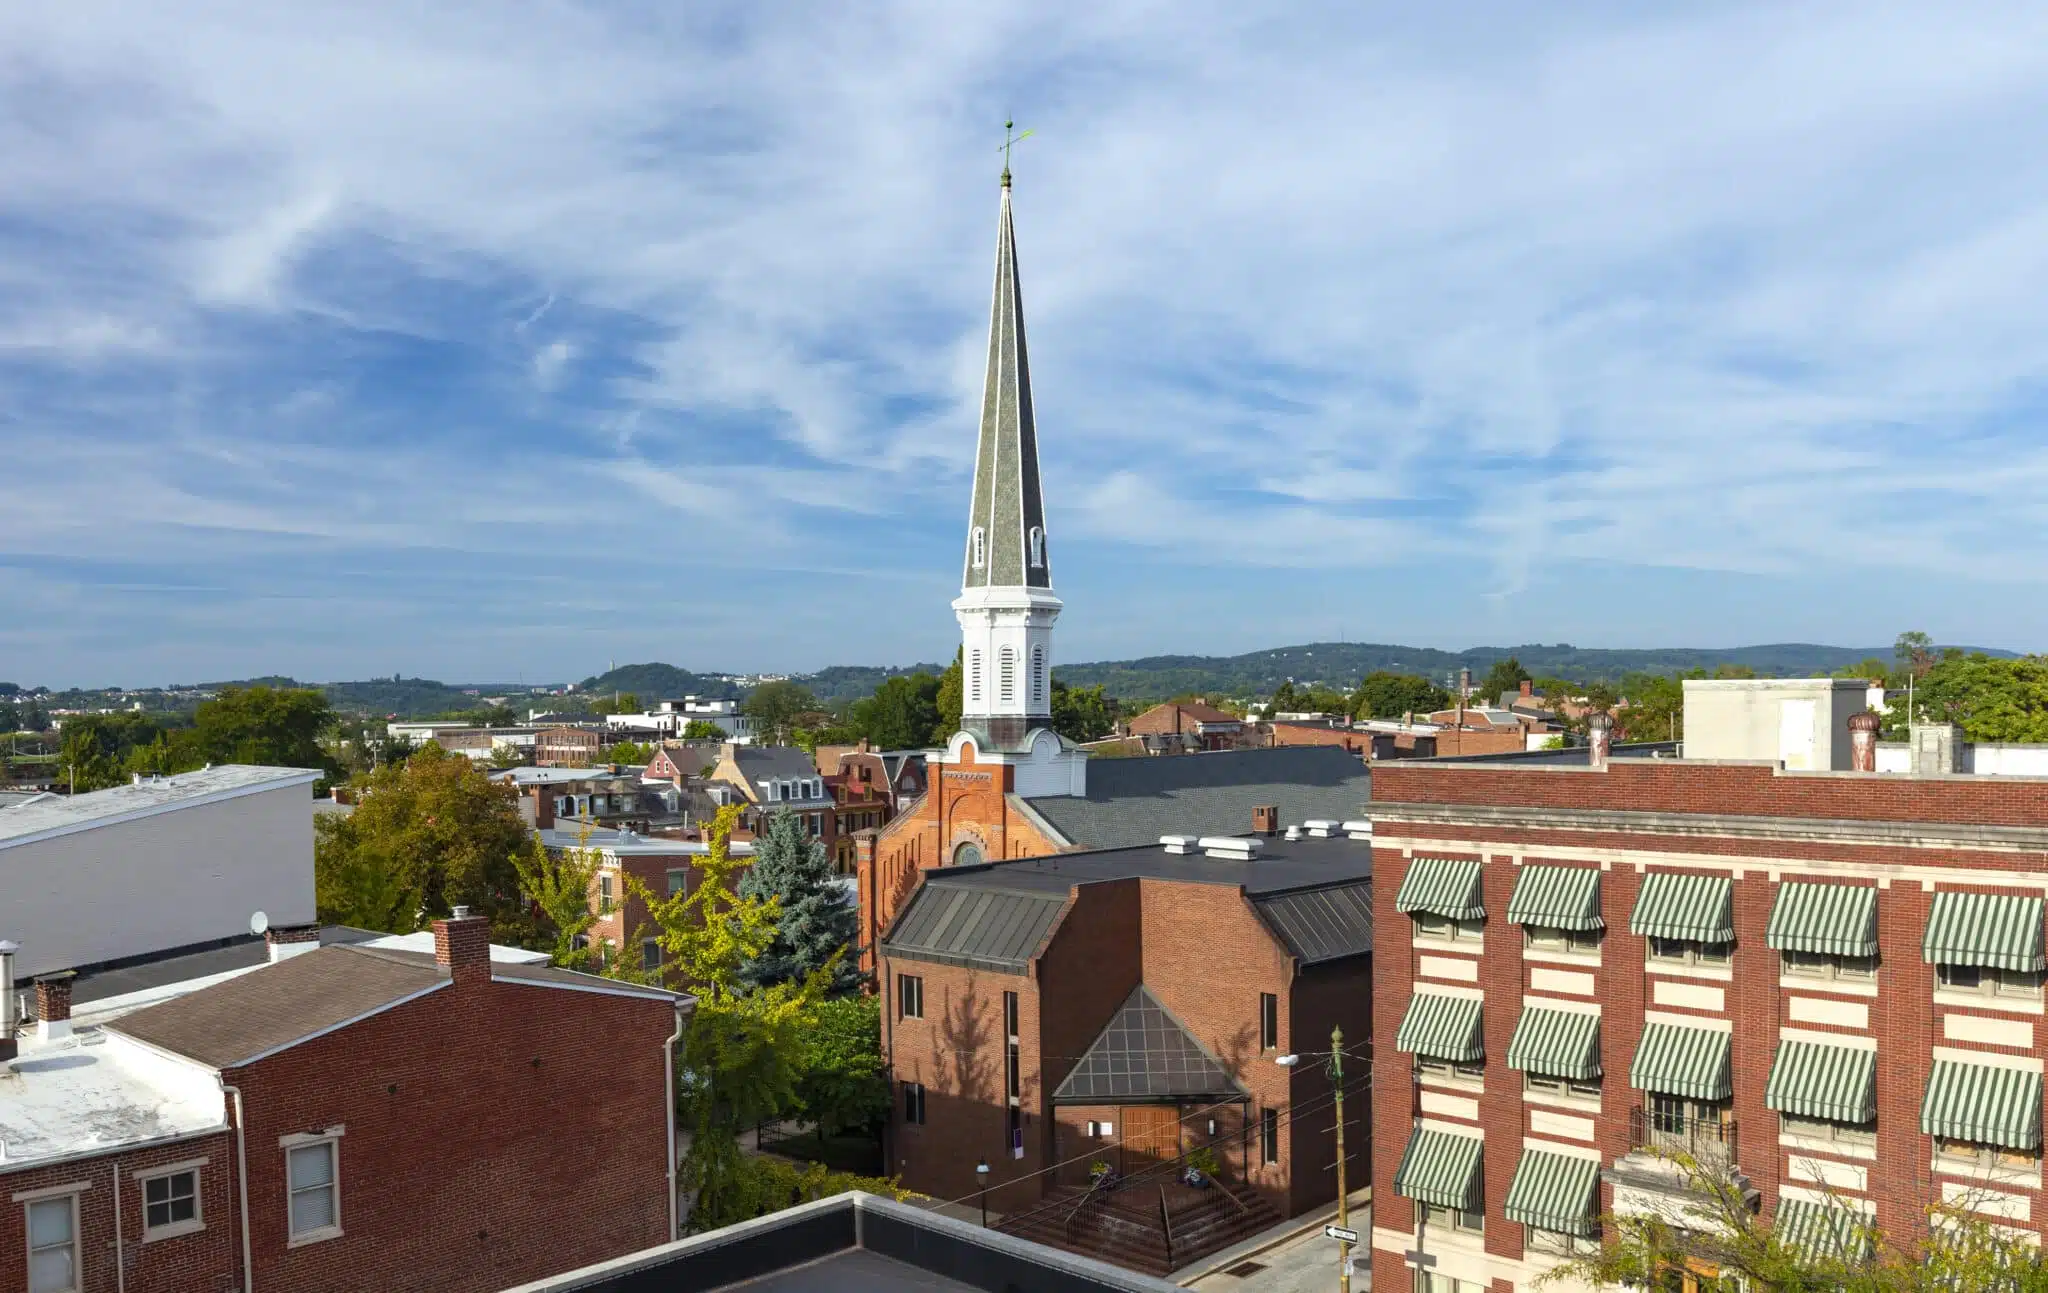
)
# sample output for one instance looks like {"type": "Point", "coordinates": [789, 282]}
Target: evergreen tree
{"type": "Point", "coordinates": [814, 921]}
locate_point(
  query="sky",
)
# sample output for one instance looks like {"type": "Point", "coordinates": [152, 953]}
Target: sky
{"type": "Point", "coordinates": [502, 340]}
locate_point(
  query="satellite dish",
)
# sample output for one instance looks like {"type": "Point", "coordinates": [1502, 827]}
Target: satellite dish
{"type": "Point", "coordinates": [258, 922]}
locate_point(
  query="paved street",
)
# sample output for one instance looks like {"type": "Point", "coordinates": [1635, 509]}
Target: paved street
{"type": "Point", "coordinates": [1306, 1263]}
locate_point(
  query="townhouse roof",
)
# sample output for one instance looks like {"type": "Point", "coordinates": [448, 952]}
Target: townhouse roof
{"type": "Point", "coordinates": [43, 819]}
{"type": "Point", "coordinates": [630, 843]}
{"type": "Point", "coordinates": [560, 776]}
{"type": "Point", "coordinates": [776, 762]}
{"type": "Point", "coordinates": [92, 1092]}
{"type": "Point", "coordinates": [1135, 801]}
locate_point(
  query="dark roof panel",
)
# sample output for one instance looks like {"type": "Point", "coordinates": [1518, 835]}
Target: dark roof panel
{"type": "Point", "coordinates": [1135, 801]}
{"type": "Point", "coordinates": [1144, 1053]}
{"type": "Point", "coordinates": [996, 929]}
{"type": "Point", "coordinates": [1322, 924]}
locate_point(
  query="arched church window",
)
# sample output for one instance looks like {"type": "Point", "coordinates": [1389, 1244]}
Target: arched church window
{"type": "Point", "coordinates": [979, 547]}
{"type": "Point", "coordinates": [1038, 547]}
{"type": "Point", "coordinates": [1038, 675]}
{"type": "Point", "coordinates": [968, 854]}
{"type": "Point", "coordinates": [1006, 675]}
{"type": "Point", "coordinates": [974, 677]}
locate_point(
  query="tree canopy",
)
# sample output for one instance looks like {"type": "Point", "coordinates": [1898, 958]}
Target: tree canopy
{"type": "Point", "coordinates": [781, 708]}
{"type": "Point", "coordinates": [1506, 675]}
{"type": "Point", "coordinates": [815, 925]}
{"type": "Point", "coordinates": [703, 729]}
{"type": "Point", "coordinates": [1392, 695]}
{"type": "Point", "coordinates": [903, 713]}
{"type": "Point", "coordinates": [1081, 713]}
{"type": "Point", "coordinates": [1990, 699]}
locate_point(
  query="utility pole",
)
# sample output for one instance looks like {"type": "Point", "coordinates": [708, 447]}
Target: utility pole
{"type": "Point", "coordinates": [1343, 1191]}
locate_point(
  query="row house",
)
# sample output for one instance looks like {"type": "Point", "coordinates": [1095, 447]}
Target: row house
{"type": "Point", "coordinates": [1591, 960]}
{"type": "Point", "coordinates": [664, 866]}
{"type": "Point", "coordinates": [777, 778]}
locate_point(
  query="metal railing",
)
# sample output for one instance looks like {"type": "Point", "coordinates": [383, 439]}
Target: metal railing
{"type": "Point", "coordinates": [1709, 1141]}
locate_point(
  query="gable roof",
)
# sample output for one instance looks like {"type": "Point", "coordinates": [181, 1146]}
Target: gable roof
{"type": "Point", "coordinates": [1134, 801]}
{"type": "Point", "coordinates": [987, 927]}
{"type": "Point", "coordinates": [1144, 1053]}
{"type": "Point", "coordinates": [758, 763]}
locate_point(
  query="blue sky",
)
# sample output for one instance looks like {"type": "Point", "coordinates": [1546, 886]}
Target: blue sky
{"type": "Point", "coordinates": [480, 340]}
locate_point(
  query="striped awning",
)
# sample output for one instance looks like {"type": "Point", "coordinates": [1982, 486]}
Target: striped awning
{"type": "Point", "coordinates": [1556, 1043]}
{"type": "Point", "coordinates": [1554, 1192]}
{"type": "Point", "coordinates": [1562, 897]}
{"type": "Point", "coordinates": [1447, 887]}
{"type": "Point", "coordinates": [1698, 907]}
{"type": "Point", "coordinates": [1829, 1230]}
{"type": "Point", "coordinates": [1442, 1027]}
{"type": "Point", "coordinates": [1675, 1060]}
{"type": "Point", "coordinates": [1830, 919]}
{"type": "Point", "coordinates": [1995, 929]}
{"type": "Point", "coordinates": [1984, 1103]}
{"type": "Point", "coordinates": [1814, 1080]}
{"type": "Point", "coordinates": [1442, 1168]}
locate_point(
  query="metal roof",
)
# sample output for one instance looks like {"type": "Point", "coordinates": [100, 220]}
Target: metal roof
{"type": "Point", "coordinates": [1144, 1053]}
{"type": "Point", "coordinates": [1281, 866]}
{"type": "Point", "coordinates": [1135, 801]}
{"type": "Point", "coordinates": [989, 928]}
{"type": "Point", "coordinates": [1322, 924]}
{"type": "Point", "coordinates": [41, 819]}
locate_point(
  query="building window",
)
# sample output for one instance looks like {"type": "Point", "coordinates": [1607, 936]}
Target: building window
{"type": "Point", "coordinates": [974, 677]}
{"type": "Point", "coordinates": [1458, 1219]}
{"type": "Point", "coordinates": [1446, 1069]}
{"type": "Point", "coordinates": [1842, 1133]}
{"type": "Point", "coordinates": [1430, 925]}
{"type": "Point", "coordinates": [968, 854]}
{"type": "Point", "coordinates": [53, 1245]}
{"type": "Point", "coordinates": [1013, 1132]}
{"type": "Point", "coordinates": [650, 954]}
{"type": "Point", "coordinates": [1562, 1242]}
{"type": "Point", "coordinates": [1269, 1135]}
{"type": "Point", "coordinates": [1547, 1085]}
{"type": "Point", "coordinates": [1038, 674]}
{"type": "Point", "coordinates": [1269, 1021]}
{"type": "Point", "coordinates": [314, 1186]}
{"type": "Point", "coordinates": [604, 893]}
{"type": "Point", "coordinates": [678, 883]}
{"type": "Point", "coordinates": [1006, 674]}
{"type": "Point", "coordinates": [2025, 984]}
{"type": "Point", "coordinates": [1687, 951]}
{"type": "Point", "coordinates": [1553, 939]}
{"type": "Point", "coordinates": [1431, 1282]}
{"type": "Point", "coordinates": [1010, 1017]}
{"type": "Point", "coordinates": [909, 996]}
{"type": "Point", "coordinates": [978, 546]}
{"type": "Point", "coordinates": [170, 1203]}
{"type": "Point", "coordinates": [1987, 1155]}
{"type": "Point", "coordinates": [913, 1103]}
{"type": "Point", "coordinates": [1823, 965]}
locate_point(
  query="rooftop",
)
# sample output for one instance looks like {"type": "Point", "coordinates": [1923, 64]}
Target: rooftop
{"type": "Point", "coordinates": [1135, 801]}
{"type": "Point", "coordinates": [632, 844]}
{"type": "Point", "coordinates": [94, 1090]}
{"type": "Point", "coordinates": [42, 819]}
{"type": "Point", "coordinates": [560, 776]}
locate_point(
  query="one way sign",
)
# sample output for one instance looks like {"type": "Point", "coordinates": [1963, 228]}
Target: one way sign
{"type": "Point", "coordinates": [1339, 1232]}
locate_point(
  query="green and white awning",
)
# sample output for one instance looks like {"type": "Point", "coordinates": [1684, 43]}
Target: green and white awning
{"type": "Point", "coordinates": [1697, 907]}
{"type": "Point", "coordinates": [1688, 1062]}
{"type": "Point", "coordinates": [1995, 929]}
{"type": "Point", "coordinates": [1829, 1230]}
{"type": "Point", "coordinates": [1442, 1028]}
{"type": "Point", "coordinates": [1561, 897]}
{"type": "Point", "coordinates": [1984, 1103]}
{"type": "Point", "coordinates": [1829, 919]}
{"type": "Point", "coordinates": [1556, 1043]}
{"type": "Point", "coordinates": [1814, 1080]}
{"type": "Point", "coordinates": [1554, 1192]}
{"type": "Point", "coordinates": [1441, 1168]}
{"type": "Point", "coordinates": [1447, 887]}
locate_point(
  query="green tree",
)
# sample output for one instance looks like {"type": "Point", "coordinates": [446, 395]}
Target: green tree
{"type": "Point", "coordinates": [1506, 675]}
{"type": "Point", "coordinates": [952, 700]}
{"type": "Point", "coordinates": [271, 726]}
{"type": "Point", "coordinates": [1991, 700]}
{"type": "Point", "coordinates": [87, 761]}
{"type": "Point", "coordinates": [843, 1084]}
{"type": "Point", "coordinates": [1391, 695]}
{"type": "Point", "coordinates": [1914, 652]}
{"type": "Point", "coordinates": [1655, 710]}
{"type": "Point", "coordinates": [624, 702]}
{"type": "Point", "coordinates": [626, 752]}
{"type": "Point", "coordinates": [702, 729]}
{"type": "Point", "coordinates": [435, 827]}
{"type": "Point", "coordinates": [780, 708]}
{"type": "Point", "coordinates": [901, 713]}
{"type": "Point", "coordinates": [1082, 713]}
{"type": "Point", "coordinates": [814, 925]}
{"type": "Point", "coordinates": [558, 883]}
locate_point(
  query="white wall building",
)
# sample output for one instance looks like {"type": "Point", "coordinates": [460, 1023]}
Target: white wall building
{"type": "Point", "coordinates": [1799, 723]}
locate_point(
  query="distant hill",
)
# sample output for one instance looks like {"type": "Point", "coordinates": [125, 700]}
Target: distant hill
{"type": "Point", "coordinates": [655, 682]}
{"type": "Point", "coordinates": [846, 682]}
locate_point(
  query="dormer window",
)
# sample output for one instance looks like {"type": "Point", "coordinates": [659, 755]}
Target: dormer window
{"type": "Point", "coordinates": [1038, 547]}
{"type": "Point", "coordinates": [978, 548]}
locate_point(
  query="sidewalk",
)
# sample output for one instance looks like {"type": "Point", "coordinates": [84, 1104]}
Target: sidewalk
{"type": "Point", "coordinates": [1292, 1256]}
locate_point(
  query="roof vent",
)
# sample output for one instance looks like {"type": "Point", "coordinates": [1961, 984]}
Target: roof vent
{"type": "Point", "coordinates": [1359, 831]}
{"type": "Point", "coordinates": [1232, 848]}
{"type": "Point", "coordinates": [1320, 828]}
{"type": "Point", "coordinates": [1293, 833]}
{"type": "Point", "coordinates": [1178, 843]}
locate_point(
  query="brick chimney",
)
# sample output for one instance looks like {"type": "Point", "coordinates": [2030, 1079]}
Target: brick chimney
{"type": "Point", "coordinates": [463, 944]}
{"type": "Point", "coordinates": [543, 807]}
{"type": "Point", "coordinates": [1863, 741]}
{"type": "Point", "coordinates": [10, 1044]}
{"type": "Point", "coordinates": [1599, 738]}
{"type": "Point", "coordinates": [290, 942]}
{"type": "Point", "coordinates": [53, 1005]}
{"type": "Point", "coordinates": [1266, 819]}
{"type": "Point", "coordinates": [1528, 689]}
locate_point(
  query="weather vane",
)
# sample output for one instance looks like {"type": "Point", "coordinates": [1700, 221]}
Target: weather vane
{"type": "Point", "coordinates": [1011, 138]}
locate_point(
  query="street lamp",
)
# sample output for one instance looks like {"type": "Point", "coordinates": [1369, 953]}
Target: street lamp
{"type": "Point", "coordinates": [1335, 1063]}
{"type": "Point", "coordinates": [981, 1179]}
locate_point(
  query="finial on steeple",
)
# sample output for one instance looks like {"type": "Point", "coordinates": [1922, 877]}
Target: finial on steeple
{"type": "Point", "coordinates": [1011, 138]}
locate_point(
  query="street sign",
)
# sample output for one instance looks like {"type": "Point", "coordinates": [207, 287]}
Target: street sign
{"type": "Point", "coordinates": [1340, 1233]}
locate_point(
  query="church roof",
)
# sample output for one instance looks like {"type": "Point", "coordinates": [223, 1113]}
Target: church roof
{"type": "Point", "coordinates": [1008, 510]}
{"type": "Point", "coordinates": [1145, 1054]}
{"type": "Point", "coordinates": [1135, 801]}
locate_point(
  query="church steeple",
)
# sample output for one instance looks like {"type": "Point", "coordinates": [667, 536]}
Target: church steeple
{"type": "Point", "coordinates": [1006, 605]}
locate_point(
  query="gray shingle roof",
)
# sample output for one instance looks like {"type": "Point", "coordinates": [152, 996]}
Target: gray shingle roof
{"type": "Point", "coordinates": [1135, 801]}
{"type": "Point", "coordinates": [1145, 1054]}
{"type": "Point", "coordinates": [1322, 924]}
{"type": "Point", "coordinates": [977, 925]}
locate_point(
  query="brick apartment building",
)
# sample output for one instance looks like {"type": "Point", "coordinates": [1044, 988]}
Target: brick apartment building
{"type": "Point", "coordinates": [665, 866]}
{"type": "Point", "coordinates": [348, 1117]}
{"type": "Point", "coordinates": [1584, 957]}
{"type": "Point", "coordinates": [566, 747]}
{"type": "Point", "coordinates": [1127, 1005]}
{"type": "Point", "coordinates": [863, 799]}
{"type": "Point", "coordinates": [1187, 725]}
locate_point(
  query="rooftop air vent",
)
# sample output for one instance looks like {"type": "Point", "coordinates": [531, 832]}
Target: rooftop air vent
{"type": "Point", "coordinates": [1293, 832]}
{"type": "Point", "coordinates": [1178, 843]}
{"type": "Point", "coordinates": [1231, 848]}
{"type": "Point", "coordinates": [1359, 830]}
{"type": "Point", "coordinates": [1320, 828]}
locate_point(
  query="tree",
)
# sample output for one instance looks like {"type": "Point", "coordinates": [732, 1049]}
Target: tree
{"type": "Point", "coordinates": [699, 729]}
{"type": "Point", "coordinates": [559, 885]}
{"type": "Point", "coordinates": [780, 707]}
{"type": "Point", "coordinates": [626, 752]}
{"type": "Point", "coordinates": [901, 714]}
{"type": "Point", "coordinates": [87, 760]}
{"type": "Point", "coordinates": [624, 702]}
{"type": "Point", "coordinates": [434, 827]}
{"type": "Point", "coordinates": [814, 925]}
{"type": "Point", "coordinates": [272, 726]}
{"type": "Point", "coordinates": [952, 700]}
{"type": "Point", "coordinates": [843, 1084]}
{"type": "Point", "coordinates": [1991, 700]}
{"type": "Point", "coordinates": [1082, 713]}
{"type": "Point", "coordinates": [1506, 675]}
{"type": "Point", "coordinates": [1655, 709]}
{"type": "Point", "coordinates": [1392, 695]}
{"type": "Point", "coordinates": [1915, 652]}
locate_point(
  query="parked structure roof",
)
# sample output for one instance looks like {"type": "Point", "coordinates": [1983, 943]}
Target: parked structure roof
{"type": "Point", "coordinates": [44, 818]}
{"type": "Point", "coordinates": [1136, 800]}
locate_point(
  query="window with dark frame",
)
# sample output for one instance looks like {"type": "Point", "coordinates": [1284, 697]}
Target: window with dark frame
{"type": "Point", "coordinates": [170, 1200]}
{"type": "Point", "coordinates": [1012, 1060]}
{"type": "Point", "coordinates": [909, 996]}
{"type": "Point", "coordinates": [913, 1103]}
{"type": "Point", "coordinates": [1269, 1135]}
{"type": "Point", "coordinates": [1269, 1021]}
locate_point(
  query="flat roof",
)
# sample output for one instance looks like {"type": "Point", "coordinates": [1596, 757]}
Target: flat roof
{"type": "Point", "coordinates": [1282, 864]}
{"type": "Point", "coordinates": [92, 1092]}
{"type": "Point", "coordinates": [42, 819]}
{"type": "Point", "coordinates": [631, 843]}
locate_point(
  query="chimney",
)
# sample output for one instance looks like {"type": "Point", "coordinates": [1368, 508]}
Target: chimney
{"type": "Point", "coordinates": [1599, 737]}
{"type": "Point", "coordinates": [1528, 689]}
{"type": "Point", "coordinates": [10, 1046]}
{"type": "Point", "coordinates": [1863, 741]}
{"type": "Point", "coordinates": [1266, 819]}
{"type": "Point", "coordinates": [53, 1005]}
{"type": "Point", "coordinates": [543, 807]}
{"type": "Point", "coordinates": [463, 944]}
{"type": "Point", "coordinates": [1464, 685]}
{"type": "Point", "coordinates": [297, 939]}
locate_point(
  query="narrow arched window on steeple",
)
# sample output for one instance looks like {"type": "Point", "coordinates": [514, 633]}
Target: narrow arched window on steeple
{"type": "Point", "coordinates": [980, 548]}
{"type": "Point", "coordinates": [1038, 547]}
{"type": "Point", "coordinates": [974, 674]}
{"type": "Point", "coordinates": [1037, 672]}
{"type": "Point", "coordinates": [1006, 675]}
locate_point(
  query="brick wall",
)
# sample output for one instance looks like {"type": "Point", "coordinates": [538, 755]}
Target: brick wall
{"type": "Point", "coordinates": [203, 1261]}
{"type": "Point", "coordinates": [957, 1051]}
